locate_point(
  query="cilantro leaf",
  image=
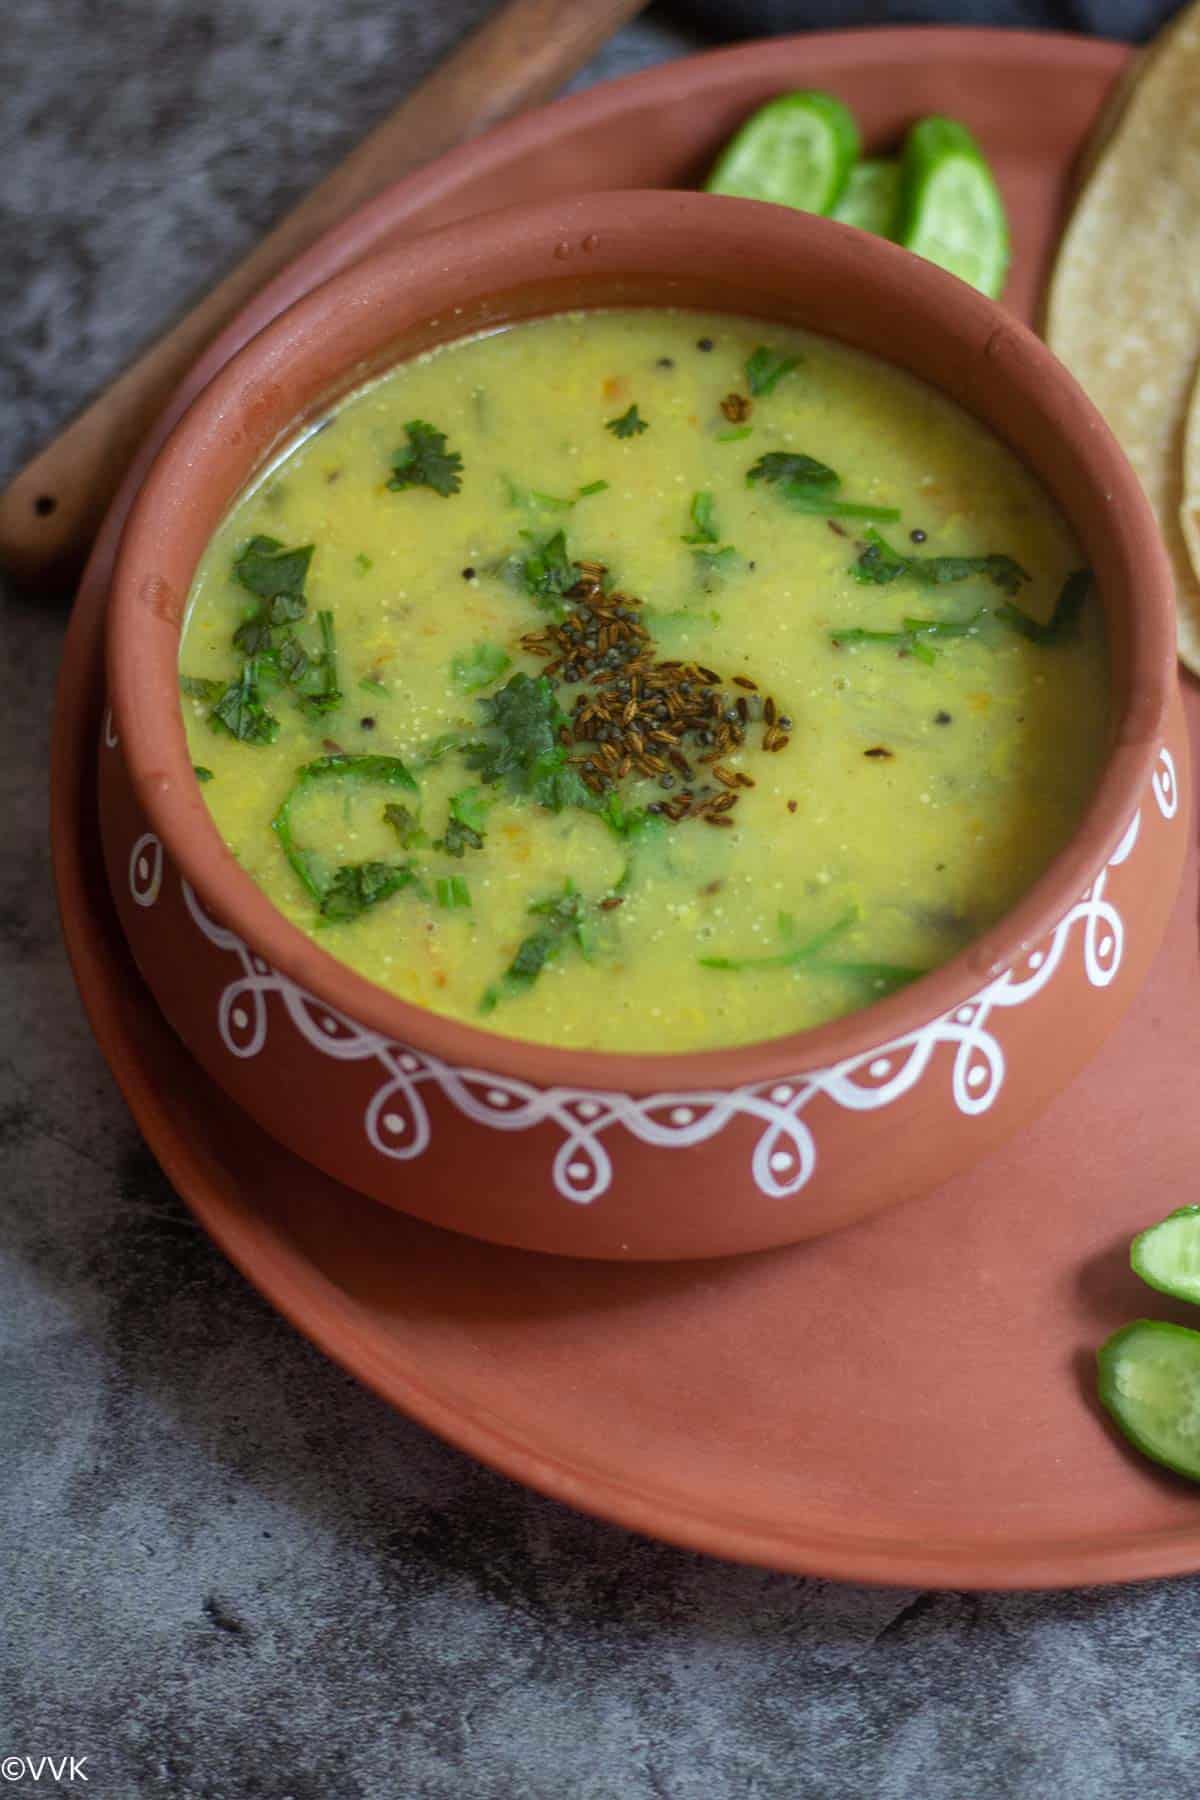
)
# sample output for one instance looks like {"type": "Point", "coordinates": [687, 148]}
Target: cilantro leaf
{"type": "Point", "coordinates": [425, 461]}
{"type": "Point", "coordinates": [630, 424]}
{"type": "Point", "coordinates": [524, 719]}
{"type": "Point", "coordinates": [356, 887]}
{"type": "Point", "coordinates": [438, 748]}
{"type": "Point", "coordinates": [705, 520]}
{"type": "Point", "coordinates": [465, 828]}
{"type": "Point", "coordinates": [879, 564]}
{"type": "Point", "coordinates": [547, 571]}
{"type": "Point", "coordinates": [766, 367]}
{"type": "Point", "coordinates": [804, 497]}
{"type": "Point", "coordinates": [566, 918]}
{"type": "Point", "coordinates": [914, 635]}
{"type": "Point", "coordinates": [201, 773]}
{"type": "Point", "coordinates": [808, 487]}
{"type": "Point", "coordinates": [199, 687]}
{"type": "Point", "coordinates": [480, 666]}
{"type": "Point", "coordinates": [1064, 619]}
{"type": "Point", "coordinates": [452, 891]}
{"type": "Point", "coordinates": [521, 745]}
{"type": "Point", "coordinates": [783, 465]}
{"type": "Point", "coordinates": [267, 568]}
{"type": "Point", "coordinates": [406, 824]}
{"type": "Point", "coordinates": [714, 566]}
{"type": "Point", "coordinates": [517, 495]}
{"type": "Point", "coordinates": [326, 695]}
{"type": "Point", "coordinates": [277, 576]}
{"type": "Point", "coordinates": [627, 821]}
{"type": "Point", "coordinates": [383, 771]}
{"type": "Point", "coordinates": [254, 637]}
{"type": "Point", "coordinates": [240, 710]}
{"type": "Point", "coordinates": [292, 658]}
{"type": "Point", "coordinates": [885, 978]}
{"type": "Point", "coordinates": [791, 958]}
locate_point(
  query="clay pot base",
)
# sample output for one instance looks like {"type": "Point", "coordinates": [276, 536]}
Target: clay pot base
{"type": "Point", "coordinates": [908, 1401]}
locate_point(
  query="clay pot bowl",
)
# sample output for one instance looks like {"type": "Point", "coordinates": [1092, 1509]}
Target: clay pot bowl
{"type": "Point", "coordinates": [596, 1154]}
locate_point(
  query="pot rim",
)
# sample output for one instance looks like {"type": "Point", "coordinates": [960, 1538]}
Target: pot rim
{"type": "Point", "coordinates": [647, 226]}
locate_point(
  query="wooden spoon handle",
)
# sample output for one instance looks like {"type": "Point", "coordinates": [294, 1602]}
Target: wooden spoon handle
{"type": "Point", "coordinates": [521, 55]}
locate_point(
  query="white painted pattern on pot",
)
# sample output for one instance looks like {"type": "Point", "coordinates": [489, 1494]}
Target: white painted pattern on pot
{"type": "Point", "coordinates": [146, 870]}
{"type": "Point", "coordinates": [397, 1119]}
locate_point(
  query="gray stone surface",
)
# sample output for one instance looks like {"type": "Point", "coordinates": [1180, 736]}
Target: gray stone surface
{"type": "Point", "coordinates": [225, 1571]}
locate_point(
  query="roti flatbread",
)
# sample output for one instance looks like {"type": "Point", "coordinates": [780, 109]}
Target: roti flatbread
{"type": "Point", "coordinates": [1124, 305]}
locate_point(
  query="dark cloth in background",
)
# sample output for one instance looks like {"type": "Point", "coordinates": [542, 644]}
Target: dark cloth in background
{"type": "Point", "coordinates": [1133, 20]}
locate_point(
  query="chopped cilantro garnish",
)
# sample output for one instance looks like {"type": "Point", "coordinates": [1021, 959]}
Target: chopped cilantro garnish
{"type": "Point", "coordinates": [885, 978]}
{"type": "Point", "coordinates": [808, 487]}
{"type": "Point", "coordinates": [480, 666]}
{"type": "Point", "coordinates": [372, 686]}
{"type": "Point", "coordinates": [266, 639]}
{"type": "Point", "coordinates": [566, 918]}
{"type": "Point", "coordinates": [382, 771]}
{"type": "Point", "coordinates": [878, 565]}
{"type": "Point", "coordinates": [355, 887]}
{"type": "Point", "coordinates": [406, 824]}
{"type": "Point", "coordinates": [199, 687]}
{"type": "Point", "coordinates": [1064, 619]}
{"type": "Point", "coordinates": [362, 562]}
{"type": "Point", "coordinates": [465, 828]}
{"type": "Point", "coordinates": [766, 367]}
{"type": "Point", "coordinates": [254, 637]}
{"type": "Point", "coordinates": [735, 434]}
{"type": "Point", "coordinates": [715, 566]}
{"type": "Point", "coordinates": [441, 746]}
{"type": "Point", "coordinates": [291, 658]}
{"type": "Point", "coordinates": [271, 571]}
{"type": "Point", "coordinates": [804, 499]}
{"type": "Point", "coordinates": [547, 571]}
{"type": "Point", "coordinates": [325, 696]}
{"type": "Point", "coordinates": [784, 959]}
{"type": "Point", "coordinates": [240, 710]}
{"type": "Point", "coordinates": [784, 465]}
{"type": "Point", "coordinates": [626, 821]}
{"type": "Point", "coordinates": [201, 773]}
{"type": "Point", "coordinates": [521, 747]}
{"type": "Point", "coordinates": [534, 498]}
{"type": "Point", "coordinates": [531, 497]}
{"type": "Point", "coordinates": [705, 521]}
{"type": "Point", "coordinates": [425, 461]}
{"type": "Point", "coordinates": [914, 634]}
{"type": "Point", "coordinates": [630, 424]}
{"type": "Point", "coordinates": [452, 891]}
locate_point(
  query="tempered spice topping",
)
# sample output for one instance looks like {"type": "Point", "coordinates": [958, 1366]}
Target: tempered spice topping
{"type": "Point", "coordinates": [642, 714]}
{"type": "Point", "coordinates": [737, 408]}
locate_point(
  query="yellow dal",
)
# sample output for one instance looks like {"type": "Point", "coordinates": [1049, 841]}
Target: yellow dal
{"type": "Point", "coordinates": [926, 848]}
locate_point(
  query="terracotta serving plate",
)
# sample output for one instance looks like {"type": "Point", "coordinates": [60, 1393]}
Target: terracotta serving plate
{"type": "Point", "coordinates": [906, 1401]}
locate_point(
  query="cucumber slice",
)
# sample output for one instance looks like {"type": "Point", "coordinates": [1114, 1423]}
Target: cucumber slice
{"type": "Point", "coordinates": [1167, 1255]}
{"type": "Point", "coordinates": [1150, 1383]}
{"type": "Point", "coordinates": [797, 150]}
{"type": "Point", "coordinates": [871, 199]}
{"type": "Point", "coordinates": [951, 212]}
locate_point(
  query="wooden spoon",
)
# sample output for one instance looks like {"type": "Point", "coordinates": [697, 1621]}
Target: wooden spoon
{"type": "Point", "coordinates": [522, 55]}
